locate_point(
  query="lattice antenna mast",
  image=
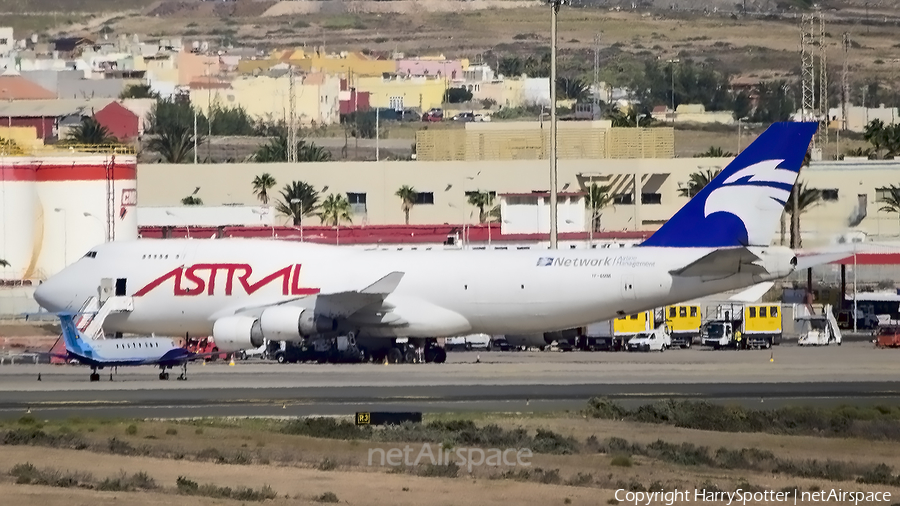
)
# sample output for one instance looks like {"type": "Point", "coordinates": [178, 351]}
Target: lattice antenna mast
{"type": "Point", "coordinates": [807, 70]}
{"type": "Point", "coordinates": [845, 81]}
{"type": "Point", "coordinates": [292, 123]}
{"type": "Point", "coordinates": [823, 82]}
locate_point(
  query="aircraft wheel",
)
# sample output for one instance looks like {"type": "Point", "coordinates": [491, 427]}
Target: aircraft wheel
{"type": "Point", "coordinates": [394, 356]}
{"type": "Point", "coordinates": [280, 358]}
{"type": "Point", "coordinates": [95, 377]}
{"type": "Point", "coordinates": [163, 376]}
{"type": "Point", "coordinates": [440, 356]}
{"type": "Point", "coordinates": [410, 356]}
{"type": "Point", "coordinates": [430, 353]}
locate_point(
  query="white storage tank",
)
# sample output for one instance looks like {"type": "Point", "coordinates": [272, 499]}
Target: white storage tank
{"type": "Point", "coordinates": [86, 198]}
{"type": "Point", "coordinates": [19, 223]}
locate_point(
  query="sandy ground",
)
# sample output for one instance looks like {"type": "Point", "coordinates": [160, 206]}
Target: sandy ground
{"type": "Point", "coordinates": [354, 482]}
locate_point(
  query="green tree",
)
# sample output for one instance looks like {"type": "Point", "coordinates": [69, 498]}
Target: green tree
{"type": "Point", "coordinates": [484, 201]}
{"type": "Point", "coordinates": [3, 263]}
{"type": "Point", "coordinates": [807, 198]}
{"type": "Point", "coordinates": [572, 88]}
{"type": "Point", "coordinates": [697, 181]}
{"type": "Point", "coordinates": [874, 134]}
{"type": "Point", "coordinates": [598, 197]}
{"type": "Point", "coordinates": [714, 152]}
{"type": "Point", "coordinates": [138, 91]}
{"type": "Point", "coordinates": [298, 199]}
{"type": "Point", "coordinates": [457, 95]}
{"type": "Point", "coordinates": [335, 209]}
{"type": "Point", "coordinates": [90, 132]}
{"type": "Point", "coordinates": [276, 150]}
{"type": "Point", "coordinates": [408, 196]}
{"type": "Point", "coordinates": [230, 121]}
{"type": "Point", "coordinates": [168, 114]}
{"type": "Point", "coordinates": [892, 200]}
{"type": "Point", "coordinates": [261, 185]}
{"type": "Point", "coordinates": [175, 144]}
{"type": "Point", "coordinates": [191, 200]}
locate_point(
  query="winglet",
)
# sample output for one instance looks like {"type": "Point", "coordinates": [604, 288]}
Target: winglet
{"type": "Point", "coordinates": [384, 285]}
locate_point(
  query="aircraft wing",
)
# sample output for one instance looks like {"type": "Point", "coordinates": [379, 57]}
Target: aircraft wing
{"type": "Point", "coordinates": [340, 304]}
{"type": "Point", "coordinates": [722, 262]}
{"type": "Point", "coordinates": [344, 304]}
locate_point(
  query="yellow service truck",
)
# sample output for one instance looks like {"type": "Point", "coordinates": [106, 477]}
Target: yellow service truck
{"type": "Point", "coordinates": [744, 326]}
{"type": "Point", "coordinates": [684, 324]}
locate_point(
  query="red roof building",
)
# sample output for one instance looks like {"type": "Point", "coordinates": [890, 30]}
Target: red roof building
{"type": "Point", "coordinates": [121, 123]}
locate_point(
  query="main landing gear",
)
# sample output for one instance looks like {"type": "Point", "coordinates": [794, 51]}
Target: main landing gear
{"type": "Point", "coordinates": [95, 376]}
{"type": "Point", "coordinates": [164, 376]}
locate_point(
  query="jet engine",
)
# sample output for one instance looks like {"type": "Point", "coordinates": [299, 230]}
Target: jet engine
{"type": "Point", "coordinates": [778, 261]}
{"type": "Point", "coordinates": [290, 323]}
{"type": "Point", "coordinates": [236, 333]}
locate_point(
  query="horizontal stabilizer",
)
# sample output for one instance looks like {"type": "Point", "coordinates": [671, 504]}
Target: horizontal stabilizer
{"type": "Point", "coordinates": [722, 262]}
{"type": "Point", "coordinates": [807, 261]}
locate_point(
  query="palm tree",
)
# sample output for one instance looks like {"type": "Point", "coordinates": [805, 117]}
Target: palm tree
{"type": "Point", "coordinates": [874, 135]}
{"type": "Point", "coordinates": [138, 91]}
{"type": "Point", "coordinates": [806, 199]}
{"type": "Point", "coordinates": [481, 200]}
{"type": "Point", "coordinates": [3, 263]}
{"type": "Point", "coordinates": [573, 88]}
{"type": "Point", "coordinates": [714, 152]}
{"type": "Point", "coordinates": [335, 209]}
{"type": "Point", "coordinates": [191, 200]}
{"type": "Point", "coordinates": [175, 144]}
{"type": "Point", "coordinates": [598, 197]}
{"type": "Point", "coordinates": [408, 197]}
{"type": "Point", "coordinates": [892, 200]}
{"type": "Point", "coordinates": [276, 150]}
{"type": "Point", "coordinates": [298, 199]}
{"type": "Point", "coordinates": [90, 132]}
{"type": "Point", "coordinates": [261, 185]}
{"type": "Point", "coordinates": [698, 180]}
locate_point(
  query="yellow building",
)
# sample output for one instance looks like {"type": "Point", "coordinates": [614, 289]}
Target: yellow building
{"type": "Point", "coordinates": [345, 63]}
{"type": "Point", "coordinates": [530, 140]}
{"type": "Point", "coordinates": [398, 92]}
{"type": "Point", "coordinates": [316, 97]}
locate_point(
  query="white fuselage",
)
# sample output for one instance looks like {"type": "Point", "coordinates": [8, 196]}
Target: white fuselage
{"type": "Point", "coordinates": [182, 286]}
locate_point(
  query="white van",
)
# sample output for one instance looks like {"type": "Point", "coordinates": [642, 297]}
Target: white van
{"type": "Point", "coordinates": [653, 340]}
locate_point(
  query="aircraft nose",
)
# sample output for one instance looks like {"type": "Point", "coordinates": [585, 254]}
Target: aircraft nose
{"type": "Point", "coordinates": [51, 296]}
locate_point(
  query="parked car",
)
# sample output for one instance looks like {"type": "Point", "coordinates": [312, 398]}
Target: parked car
{"type": "Point", "coordinates": [464, 117]}
{"type": "Point", "coordinates": [434, 114]}
{"type": "Point", "coordinates": [482, 117]}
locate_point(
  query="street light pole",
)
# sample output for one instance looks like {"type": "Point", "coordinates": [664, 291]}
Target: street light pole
{"type": "Point", "coordinates": [102, 227]}
{"type": "Point", "coordinates": [299, 201]}
{"type": "Point", "coordinates": [65, 236]}
{"type": "Point", "coordinates": [672, 72]}
{"type": "Point", "coordinates": [554, 235]}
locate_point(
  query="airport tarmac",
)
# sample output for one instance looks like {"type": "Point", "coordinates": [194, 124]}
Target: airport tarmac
{"type": "Point", "coordinates": [502, 381]}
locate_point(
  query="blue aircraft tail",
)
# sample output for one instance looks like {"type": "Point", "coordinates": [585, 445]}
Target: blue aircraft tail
{"type": "Point", "coordinates": [71, 336]}
{"type": "Point", "coordinates": [742, 206]}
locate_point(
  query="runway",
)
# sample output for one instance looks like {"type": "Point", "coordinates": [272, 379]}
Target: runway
{"type": "Point", "coordinates": [506, 382]}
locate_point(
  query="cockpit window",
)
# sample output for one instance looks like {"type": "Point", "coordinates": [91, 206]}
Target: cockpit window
{"type": "Point", "coordinates": [90, 254]}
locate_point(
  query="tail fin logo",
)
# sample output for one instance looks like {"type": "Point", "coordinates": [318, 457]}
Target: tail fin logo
{"type": "Point", "coordinates": [759, 189]}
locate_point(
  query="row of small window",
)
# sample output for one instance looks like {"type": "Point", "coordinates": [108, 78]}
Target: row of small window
{"type": "Point", "coordinates": [773, 312]}
{"type": "Point", "coordinates": [359, 199]}
{"type": "Point", "coordinates": [156, 257]}
{"type": "Point", "coordinates": [682, 311]}
{"type": "Point", "coordinates": [137, 345]}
